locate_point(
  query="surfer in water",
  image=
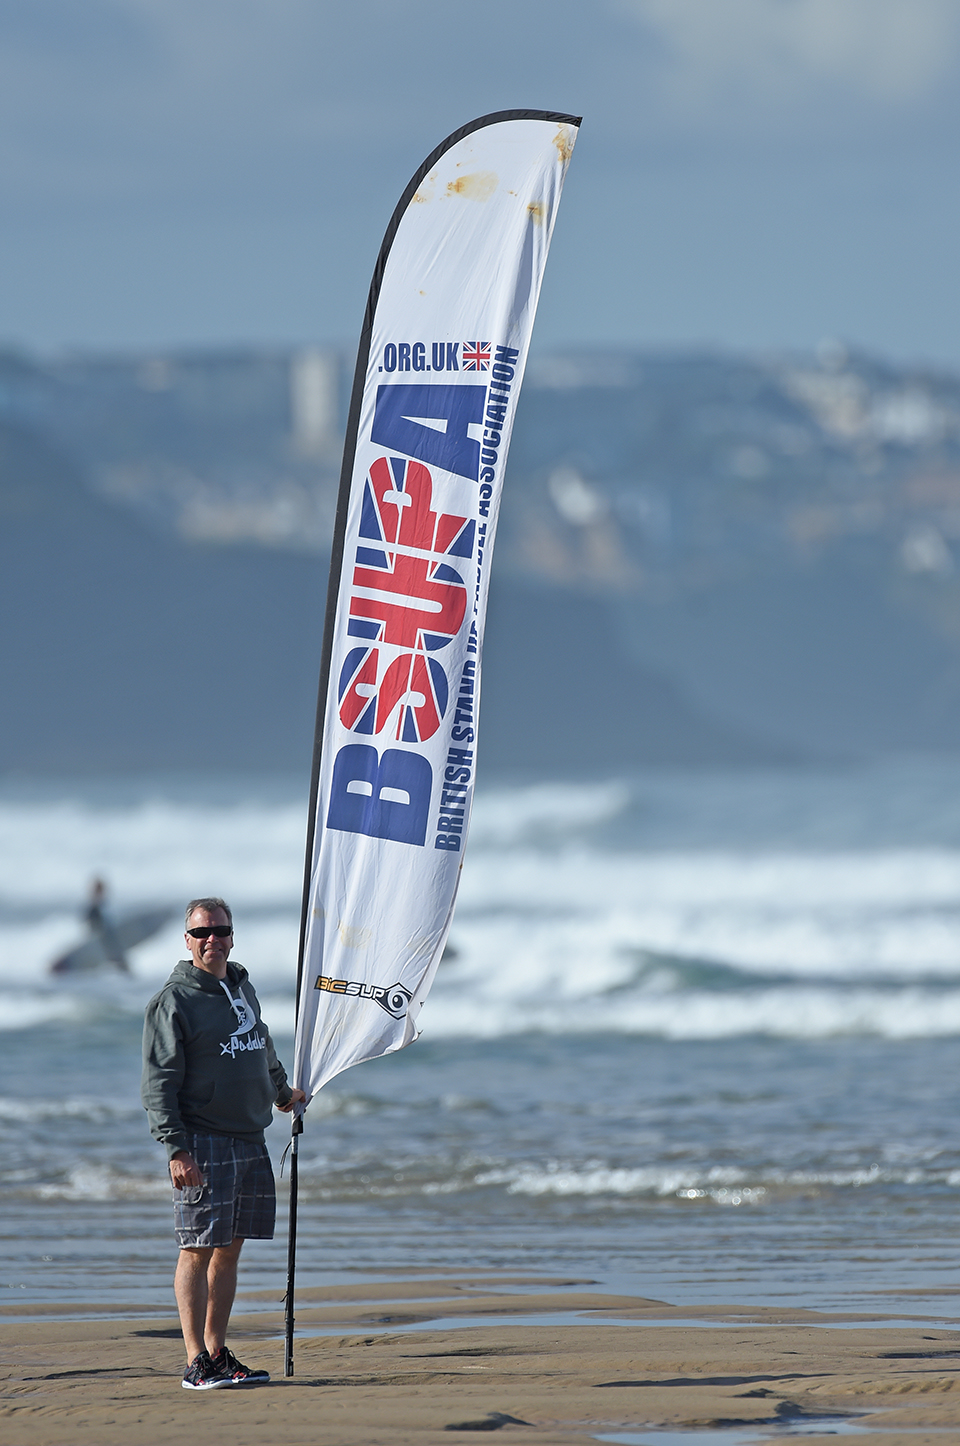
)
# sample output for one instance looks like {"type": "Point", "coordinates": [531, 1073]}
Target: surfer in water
{"type": "Point", "coordinates": [102, 927]}
{"type": "Point", "coordinates": [109, 936]}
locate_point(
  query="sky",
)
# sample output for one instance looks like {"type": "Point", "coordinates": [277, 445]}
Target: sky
{"type": "Point", "coordinates": [754, 174]}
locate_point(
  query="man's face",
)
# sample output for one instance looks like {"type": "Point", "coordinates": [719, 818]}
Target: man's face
{"type": "Point", "coordinates": [209, 953]}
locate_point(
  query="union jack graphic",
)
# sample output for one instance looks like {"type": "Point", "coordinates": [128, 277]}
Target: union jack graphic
{"type": "Point", "coordinates": [476, 356]}
{"type": "Point", "coordinates": [405, 594]}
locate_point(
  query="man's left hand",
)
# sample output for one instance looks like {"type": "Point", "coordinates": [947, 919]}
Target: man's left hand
{"type": "Point", "coordinates": [296, 1098]}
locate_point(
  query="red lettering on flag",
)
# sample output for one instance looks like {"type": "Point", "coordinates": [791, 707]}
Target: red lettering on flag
{"type": "Point", "coordinates": [418, 602]}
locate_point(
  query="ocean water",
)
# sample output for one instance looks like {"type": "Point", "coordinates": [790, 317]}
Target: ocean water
{"type": "Point", "coordinates": [697, 1036]}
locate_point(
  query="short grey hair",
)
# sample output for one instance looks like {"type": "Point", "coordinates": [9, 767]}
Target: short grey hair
{"type": "Point", "coordinates": [209, 905]}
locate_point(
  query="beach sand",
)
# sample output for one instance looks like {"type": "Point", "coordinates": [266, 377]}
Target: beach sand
{"type": "Point", "coordinates": [551, 1361]}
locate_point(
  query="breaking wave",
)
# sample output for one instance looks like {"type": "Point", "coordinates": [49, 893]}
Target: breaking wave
{"type": "Point", "coordinates": [669, 908]}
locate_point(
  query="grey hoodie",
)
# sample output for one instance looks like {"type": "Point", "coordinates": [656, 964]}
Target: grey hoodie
{"type": "Point", "coordinates": [208, 1060]}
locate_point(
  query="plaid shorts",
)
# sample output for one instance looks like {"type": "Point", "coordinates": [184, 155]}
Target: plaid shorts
{"type": "Point", "coordinates": [238, 1197]}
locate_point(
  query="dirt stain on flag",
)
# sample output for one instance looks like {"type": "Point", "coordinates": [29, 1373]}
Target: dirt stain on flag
{"type": "Point", "coordinates": [479, 186]}
{"type": "Point", "coordinates": [563, 141]}
{"type": "Point", "coordinates": [352, 937]}
{"type": "Point", "coordinates": [426, 191]}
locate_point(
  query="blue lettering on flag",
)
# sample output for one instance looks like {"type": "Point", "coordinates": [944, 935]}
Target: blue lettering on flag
{"type": "Point", "coordinates": [386, 797]}
{"type": "Point", "coordinates": [429, 422]}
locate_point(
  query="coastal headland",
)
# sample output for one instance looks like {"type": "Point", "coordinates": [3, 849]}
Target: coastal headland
{"type": "Point", "coordinates": [433, 1358]}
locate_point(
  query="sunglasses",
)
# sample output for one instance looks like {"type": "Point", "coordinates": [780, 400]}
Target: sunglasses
{"type": "Point", "coordinates": [221, 931]}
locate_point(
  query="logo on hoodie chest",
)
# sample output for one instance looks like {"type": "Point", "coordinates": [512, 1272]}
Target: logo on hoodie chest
{"type": "Point", "coordinates": [245, 1036]}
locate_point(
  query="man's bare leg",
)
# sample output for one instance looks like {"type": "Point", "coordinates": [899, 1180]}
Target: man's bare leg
{"type": "Point", "coordinates": [221, 1289]}
{"type": "Point", "coordinates": [190, 1287]}
{"type": "Point", "coordinates": [205, 1285]}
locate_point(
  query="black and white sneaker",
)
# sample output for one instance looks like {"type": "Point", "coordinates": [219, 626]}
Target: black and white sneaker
{"type": "Point", "coordinates": [236, 1372]}
{"type": "Point", "coordinates": [203, 1375]}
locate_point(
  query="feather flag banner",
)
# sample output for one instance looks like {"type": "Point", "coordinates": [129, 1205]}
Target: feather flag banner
{"type": "Point", "coordinates": [441, 360]}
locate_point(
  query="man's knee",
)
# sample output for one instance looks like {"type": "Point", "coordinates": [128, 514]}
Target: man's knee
{"type": "Point", "coordinates": [228, 1252]}
{"type": "Point", "coordinates": [195, 1255]}
{"type": "Point", "coordinates": [192, 1268]}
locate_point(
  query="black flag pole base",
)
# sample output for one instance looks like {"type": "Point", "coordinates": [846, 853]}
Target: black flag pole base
{"type": "Point", "coordinates": [296, 1130]}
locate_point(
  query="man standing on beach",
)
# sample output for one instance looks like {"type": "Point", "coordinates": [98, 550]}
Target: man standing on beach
{"type": "Point", "coordinates": [210, 1080]}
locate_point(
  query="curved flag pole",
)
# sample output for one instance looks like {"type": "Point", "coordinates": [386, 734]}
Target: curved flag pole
{"type": "Point", "coordinates": [429, 426]}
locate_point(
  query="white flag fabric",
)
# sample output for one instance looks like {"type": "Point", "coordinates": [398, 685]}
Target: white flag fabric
{"type": "Point", "coordinates": [441, 360]}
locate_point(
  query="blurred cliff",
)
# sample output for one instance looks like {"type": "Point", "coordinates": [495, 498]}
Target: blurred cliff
{"type": "Point", "coordinates": [702, 558]}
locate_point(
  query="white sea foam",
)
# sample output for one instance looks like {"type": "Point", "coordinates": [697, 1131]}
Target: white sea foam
{"type": "Point", "coordinates": [23, 1010]}
{"type": "Point", "coordinates": [553, 932]}
{"type": "Point", "coordinates": [153, 850]}
{"type": "Point", "coordinates": [834, 912]}
{"type": "Point", "coordinates": [88, 1182]}
{"type": "Point", "coordinates": [546, 811]}
{"type": "Point", "coordinates": [725, 1184]}
{"type": "Point", "coordinates": [791, 1011]}
{"type": "Point", "coordinates": [78, 1108]}
{"type": "Point", "coordinates": [527, 877]}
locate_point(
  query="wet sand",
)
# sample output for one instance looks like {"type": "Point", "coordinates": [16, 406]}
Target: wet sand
{"type": "Point", "coordinates": [552, 1361]}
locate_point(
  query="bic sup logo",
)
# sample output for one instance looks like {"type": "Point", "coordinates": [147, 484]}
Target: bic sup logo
{"type": "Point", "coordinates": [394, 999]}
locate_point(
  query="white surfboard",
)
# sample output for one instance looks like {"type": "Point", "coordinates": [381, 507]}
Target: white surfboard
{"type": "Point", "coordinates": [102, 949]}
